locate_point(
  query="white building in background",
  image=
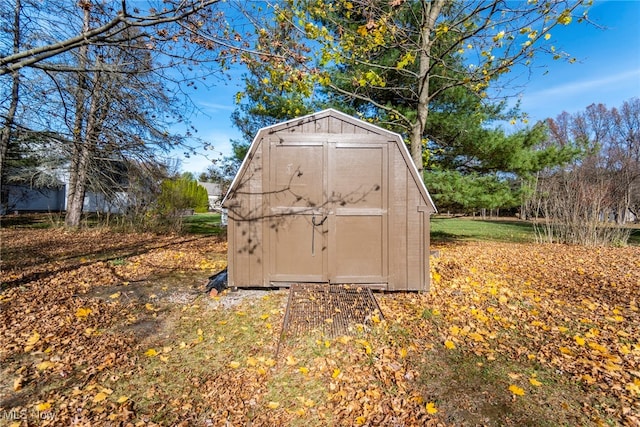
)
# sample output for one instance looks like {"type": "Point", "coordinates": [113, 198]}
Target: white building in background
{"type": "Point", "coordinates": [29, 197]}
{"type": "Point", "coordinates": [214, 191]}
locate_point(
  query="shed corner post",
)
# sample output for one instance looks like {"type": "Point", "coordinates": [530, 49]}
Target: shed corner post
{"type": "Point", "coordinates": [425, 248]}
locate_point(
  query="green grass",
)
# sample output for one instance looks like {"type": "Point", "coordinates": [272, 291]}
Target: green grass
{"type": "Point", "coordinates": [460, 229]}
{"type": "Point", "coordinates": [203, 223]}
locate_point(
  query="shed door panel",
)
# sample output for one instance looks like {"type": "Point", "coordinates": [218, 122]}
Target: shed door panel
{"type": "Point", "coordinates": [358, 199]}
{"type": "Point", "coordinates": [296, 193]}
{"type": "Point", "coordinates": [328, 212]}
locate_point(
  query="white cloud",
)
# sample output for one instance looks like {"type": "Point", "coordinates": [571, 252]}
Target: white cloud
{"type": "Point", "coordinates": [627, 78]}
{"type": "Point", "coordinates": [213, 107]}
{"type": "Point", "coordinates": [575, 95]}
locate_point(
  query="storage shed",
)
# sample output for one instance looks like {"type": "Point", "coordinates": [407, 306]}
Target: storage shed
{"type": "Point", "coordinates": [328, 198]}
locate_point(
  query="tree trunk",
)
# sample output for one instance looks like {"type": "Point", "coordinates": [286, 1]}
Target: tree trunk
{"type": "Point", "coordinates": [5, 133]}
{"type": "Point", "coordinates": [76, 186]}
{"type": "Point", "coordinates": [432, 10]}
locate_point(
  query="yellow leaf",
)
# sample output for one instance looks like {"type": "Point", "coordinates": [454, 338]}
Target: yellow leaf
{"type": "Point", "coordinates": [476, 337]}
{"type": "Point", "coordinates": [261, 370]}
{"type": "Point", "coordinates": [336, 373]}
{"type": "Point", "coordinates": [41, 407]}
{"type": "Point", "coordinates": [534, 382]}
{"type": "Point", "coordinates": [366, 345]}
{"type": "Point", "coordinates": [431, 408]}
{"type": "Point", "coordinates": [291, 360]}
{"type": "Point", "coordinates": [449, 344]}
{"type": "Point", "coordinates": [44, 365]}
{"type": "Point", "coordinates": [270, 362]}
{"type": "Point", "coordinates": [565, 350]}
{"type": "Point", "coordinates": [167, 349]}
{"type": "Point", "coordinates": [31, 341]}
{"type": "Point", "coordinates": [402, 353]}
{"type": "Point", "coordinates": [99, 397]}
{"type": "Point", "coordinates": [375, 318]}
{"type": "Point", "coordinates": [360, 420]}
{"type": "Point", "coordinates": [165, 359]}
{"type": "Point", "coordinates": [82, 313]}
{"type": "Point", "coordinates": [598, 347]}
{"type": "Point", "coordinates": [151, 352]}
{"type": "Point", "coordinates": [149, 306]}
{"type": "Point", "coordinates": [122, 399]}
{"type": "Point", "coordinates": [252, 361]}
{"type": "Point", "coordinates": [17, 384]}
{"type": "Point", "coordinates": [234, 365]}
{"type": "Point", "coordinates": [343, 339]}
{"type": "Point", "coordinates": [516, 390]}
{"type": "Point", "coordinates": [114, 296]}
{"type": "Point", "coordinates": [547, 36]}
{"type": "Point", "coordinates": [303, 370]}
{"type": "Point", "coordinates": [200, 332]}
{"type": "Point", "coordinates": [309, 403]}
{"type": "Point", "coordinates": [273, 405]}
{"type": "Point", "coordinates": [579, 340]}
{"type": "Point", "coordinates": [264, 316]}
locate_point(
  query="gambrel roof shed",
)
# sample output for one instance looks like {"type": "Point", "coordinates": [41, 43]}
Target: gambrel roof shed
{"type": "Point", "coordinates": [328, 198]}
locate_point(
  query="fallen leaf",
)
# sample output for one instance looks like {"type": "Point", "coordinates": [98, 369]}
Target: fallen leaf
{"type": "Point", "coordinates": [291, 360]}
{"type": "Point", "coordinates": [41, 407]}
{"type": "Point", "coordinates": [151, 352]}
{"type": "Point", "coordinates": [44, 365]}
{"type": "Point", "coordinates": [82, 313]}
{"type": "Point", "coordinates": [31, 341]}
{"type": "Point", "coordinates": [516, 390]}
{"type": "Point", "coordinates": [431, 408]}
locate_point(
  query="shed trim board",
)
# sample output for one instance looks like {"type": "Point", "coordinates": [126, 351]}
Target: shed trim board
{"type": "Point", "coordinates": [328, 198]}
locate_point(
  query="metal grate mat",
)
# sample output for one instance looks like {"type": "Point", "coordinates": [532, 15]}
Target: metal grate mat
{"type": "Point", "coordinates": [330, 309]}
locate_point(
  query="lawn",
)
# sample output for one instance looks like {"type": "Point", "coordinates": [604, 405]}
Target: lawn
{"type": "Point", "coordinates": [470, 229]}
{"type": "Point", "coordinates": [103, 328]}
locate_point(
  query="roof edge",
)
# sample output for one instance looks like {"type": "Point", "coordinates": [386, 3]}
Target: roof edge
{"type": "Point", "coordinates": [345, 116]}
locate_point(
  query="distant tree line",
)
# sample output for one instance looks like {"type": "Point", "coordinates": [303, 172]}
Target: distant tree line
{"type": "Point", "coordinates": [586, 200]}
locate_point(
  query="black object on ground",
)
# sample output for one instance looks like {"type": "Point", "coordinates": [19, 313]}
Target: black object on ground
{"type": "Point", "coordinates": [218, 282]}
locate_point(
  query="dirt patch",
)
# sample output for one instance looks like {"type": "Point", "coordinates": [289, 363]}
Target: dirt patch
{"type": "Point", "coordinates": [177, 288]}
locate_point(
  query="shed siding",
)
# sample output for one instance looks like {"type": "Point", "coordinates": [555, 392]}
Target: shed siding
{"type": "Point", "coordinates": [398, 222]}
{"type": "Point", "coordinates": [404, 260]}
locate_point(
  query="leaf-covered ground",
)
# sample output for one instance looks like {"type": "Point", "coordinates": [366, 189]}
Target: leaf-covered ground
{"type": "Point", "coordinates": [100, 328]}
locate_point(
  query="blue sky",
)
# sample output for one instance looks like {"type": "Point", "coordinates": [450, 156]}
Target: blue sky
{"type": "Point", "coordinates": [607, 71]}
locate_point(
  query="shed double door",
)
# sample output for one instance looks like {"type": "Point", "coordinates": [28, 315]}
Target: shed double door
{"type": "Point", "coordinates": [328, 211]}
